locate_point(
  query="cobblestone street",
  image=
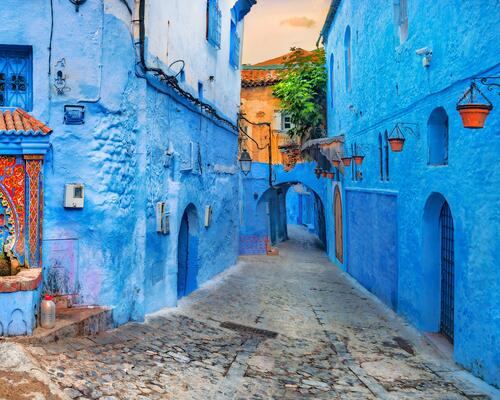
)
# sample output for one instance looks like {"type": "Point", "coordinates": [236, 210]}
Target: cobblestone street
{"type": "Point", "coordinates": [319, 337]}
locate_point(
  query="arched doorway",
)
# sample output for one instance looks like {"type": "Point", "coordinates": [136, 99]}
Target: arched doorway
{"type": "Point", "coordinates": [438, 267]}
{"type": "Point", "coordinates": [339, 242]}
{"type": "Point", "coordinates": [447, 272]}
{"type": "Point", "coordinates": [187, 253]}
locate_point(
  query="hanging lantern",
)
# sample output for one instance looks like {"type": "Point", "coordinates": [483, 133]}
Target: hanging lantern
{"type": "Point", "coordinates": [245, 162]}
{"type": "Point", "coordinates": [346, 161]}
{"type": "Point", "coordinates": [473, 112]}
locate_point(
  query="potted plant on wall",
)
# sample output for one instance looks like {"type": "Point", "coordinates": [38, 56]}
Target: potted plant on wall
{"type": "Point", "coordinates": [472, 110]}
{"type": "Point", "coordinates": [346, 160]}
{"type": "Point", "coordinates": [396, 139]}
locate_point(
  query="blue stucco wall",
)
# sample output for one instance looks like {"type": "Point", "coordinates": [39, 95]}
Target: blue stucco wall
{"type": "Point", "coordinates": [371, 222]}
{"type": "Point", "coordinates": [119, 153]}
{"type": "Point", "coordinates": [390, 85]}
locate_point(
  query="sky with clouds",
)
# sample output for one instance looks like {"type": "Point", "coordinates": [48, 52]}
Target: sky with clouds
{"type": "Point", "coordinates": [273, 26]}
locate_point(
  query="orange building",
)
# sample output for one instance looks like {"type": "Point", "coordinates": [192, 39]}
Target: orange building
{"type": "Point", "coordinates": [259, 105]}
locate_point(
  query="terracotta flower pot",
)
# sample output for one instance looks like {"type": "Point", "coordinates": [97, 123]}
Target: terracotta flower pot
{"type": "Point", "coordinates": [474, 115]}
{"type": "Point", "coordinates": [324, 173]}
{"type": "Point", "coordinates": [336, 163]}
{"type": "Point", "coordinates": [330, 175]}
{"type": "Point", "coordinates": [397, 144]}
{"type": "Point", "coordinates": [346, 161]}
{"type": "Point", "coordinates": [358, 159]}
{"type": "Point", "coordinates": [317, 172]}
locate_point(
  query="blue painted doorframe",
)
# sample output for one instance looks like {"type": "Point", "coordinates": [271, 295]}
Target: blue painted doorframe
{"type": "Point", "coordinates": [187, 254]}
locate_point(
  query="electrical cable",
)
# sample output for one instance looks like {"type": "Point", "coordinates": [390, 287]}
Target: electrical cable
{"type": "Point", "coordinates": [170, 80]}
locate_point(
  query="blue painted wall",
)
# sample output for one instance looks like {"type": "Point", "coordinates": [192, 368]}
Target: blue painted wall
{"type": "Point", "coordinates": [120, 151]}
{"type": "Point", "coordinates": [390, 85]}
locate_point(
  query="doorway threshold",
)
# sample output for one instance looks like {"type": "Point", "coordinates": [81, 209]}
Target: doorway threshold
{"type": "Point", "coordinates": [441, 344]}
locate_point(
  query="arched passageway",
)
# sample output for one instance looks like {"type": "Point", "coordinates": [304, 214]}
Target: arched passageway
{"type": "Point", "coordinates": [187, 253]}
{"type": "Point", "coordinates": [293, 204]}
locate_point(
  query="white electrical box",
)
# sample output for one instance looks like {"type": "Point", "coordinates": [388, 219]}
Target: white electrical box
{"type": "Point", "coordinates": [162, 218]}
{"type": "Point", "coordinates": [208, 216]}
{"type": "Point", "coordinates": [74, 195]}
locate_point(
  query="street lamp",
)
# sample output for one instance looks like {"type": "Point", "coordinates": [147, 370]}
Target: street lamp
{"type": "Point", "coordinates": [245, 162]}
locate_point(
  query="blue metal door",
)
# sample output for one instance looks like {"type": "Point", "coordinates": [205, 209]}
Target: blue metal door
{"type": "Point", "coordinates": [447, 272]}
{"type": "Point", "coordinates": [183, 257]}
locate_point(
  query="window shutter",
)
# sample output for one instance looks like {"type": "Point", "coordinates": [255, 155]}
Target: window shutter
{"type": "Point", "coordinates": [277, 125]}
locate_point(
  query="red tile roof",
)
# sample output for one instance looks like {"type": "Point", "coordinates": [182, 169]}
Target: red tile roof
{"type": "Point", "coordinates": [19, 122]}
{"type": "Point", "coordinates": [265, 73]}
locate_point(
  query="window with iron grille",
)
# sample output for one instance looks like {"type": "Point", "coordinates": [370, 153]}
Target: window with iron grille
{"type": "Point", "coordinates": [234, 50]}
{"type": "Point", "coordinates": [16, 77]}
{"type": "Point", "coordinates": [214, 17]}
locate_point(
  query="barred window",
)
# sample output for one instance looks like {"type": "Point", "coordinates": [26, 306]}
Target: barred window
{"type": "Point", "coordinates": [214, 17]}
{"type": "Point", "coordinates": [16, 77]}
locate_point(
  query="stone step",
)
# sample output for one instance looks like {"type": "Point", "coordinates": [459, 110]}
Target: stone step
{"type": "Point", "coordinates": [72, 322]}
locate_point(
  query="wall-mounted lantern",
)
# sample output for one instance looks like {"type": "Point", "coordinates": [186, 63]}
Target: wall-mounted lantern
{"type": "Point", "coordinates": [245, 162]}
{"type": "Point", "coordinates": [397, 138]}
{"type": "Point", "coordinates": [474, 106]}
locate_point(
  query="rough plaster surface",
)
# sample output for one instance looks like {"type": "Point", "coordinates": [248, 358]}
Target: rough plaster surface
{"type": "Point", "coordinates": [390, 85]}
{"type": "Point", "coordinates": [119, 153]}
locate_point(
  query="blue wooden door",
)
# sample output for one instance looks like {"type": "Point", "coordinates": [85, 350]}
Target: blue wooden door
{"type": "Point", "coordinates": [183, 257]}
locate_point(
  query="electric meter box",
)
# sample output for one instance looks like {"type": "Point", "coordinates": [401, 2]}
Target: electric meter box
{"type": "Point", "coordinates": [74, 195]}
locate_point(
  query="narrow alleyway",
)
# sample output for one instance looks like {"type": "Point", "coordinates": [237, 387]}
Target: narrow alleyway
{"type": "Point", "coordinates": [319, 337]}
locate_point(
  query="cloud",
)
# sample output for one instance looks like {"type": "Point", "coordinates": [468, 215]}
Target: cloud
{"type": "Point", "coordinates": [299, 22]}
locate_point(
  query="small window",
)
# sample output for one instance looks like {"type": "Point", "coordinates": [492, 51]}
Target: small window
{"type": "Point", "coordinates": [386, 141]}
{"type": "Point", "coordinates": [347, 58]}
{"type": "Point", "coordinates": [235, 44]}
{"type": "Point", "coordinates": [213, 23]}
{"type": "Point", "coordinates": [282, 121]}
{"type": "Point", "coordinates": [201, 95]}
{"type": "Point", "coordinates": [381, 157]}
{"type": "Point", "coordinates": [437, 137]}
{"type": "Point", "coordinates": [401, 19]}
{"type": "Point", "coordinates": [332, 87]}
{"type": "Point", "coordinates": [16, 77]}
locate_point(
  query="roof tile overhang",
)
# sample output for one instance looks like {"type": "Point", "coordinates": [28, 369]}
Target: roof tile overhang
{"type": "Point", "coordinates": [15, 121]}
{"type": "Point", "coordinates": [324, 150]}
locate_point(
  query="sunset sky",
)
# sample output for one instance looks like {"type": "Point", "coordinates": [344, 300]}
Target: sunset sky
{"type": "Point", "coordinates": [273, 26]}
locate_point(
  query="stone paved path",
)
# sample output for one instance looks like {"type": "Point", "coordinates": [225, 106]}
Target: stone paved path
{"type": "Point", "coordinates": [334, 341]}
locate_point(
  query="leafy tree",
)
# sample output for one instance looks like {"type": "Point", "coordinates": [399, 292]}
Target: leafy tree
{"type": "Point", "coordinates": [302, 91]}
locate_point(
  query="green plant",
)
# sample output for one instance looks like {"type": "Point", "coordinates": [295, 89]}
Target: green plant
{"type": "Point", "coordinates": [302, 92]}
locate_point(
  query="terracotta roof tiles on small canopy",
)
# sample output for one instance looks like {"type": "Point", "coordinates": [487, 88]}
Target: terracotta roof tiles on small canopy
{"type": "Point", "coordinates": [15, 121]}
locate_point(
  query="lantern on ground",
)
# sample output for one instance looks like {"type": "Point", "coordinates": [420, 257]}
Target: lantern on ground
{"type": "Point", "coordinates": [245, 162]}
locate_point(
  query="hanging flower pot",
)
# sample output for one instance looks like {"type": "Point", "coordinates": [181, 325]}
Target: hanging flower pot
{"type": "Point", "coordinates": [317, 172]}
{"type": "Point", "coordinates": [474, 115]}
{"type": "Point", "coordinates": [396, 144]}
{"type": "Point", "coordinates": [336, 163]}
{"type": "Point", "coordinates": [473, 112]}
{"type": "Point", "coordinates": [346, 161]}
{"type": "Point", "coordinates": [323, 174]}
{"type": "Point", "coordinates": [358, 159]}
{"type": "Point", "coordinates": [330, 175]}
